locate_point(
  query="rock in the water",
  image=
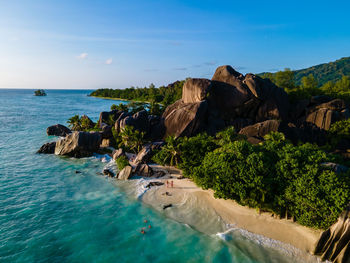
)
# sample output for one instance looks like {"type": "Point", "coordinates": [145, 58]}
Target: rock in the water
{"type": "Point", "coordinates": [154, 184]}
{"type": "Point", "coordinates": [143, 170]}
{"type": "Point", "coordinates": [117, 153]}
{"type": "Point", "coordinates": [184, 119]}
{"type": "Point", "coordinates": [78, 144]}
{"type": "Point", "coordinates": [334, 243]}
{"type": "Point", "coordinates": [108, 172]}
{"type": "Point", "coordinates": [58, 130]}
{"type": "Point", "coordinates": [195, 90]}
{"type": "Point", "coordinates": [126, 173]}
{"type": "Point", "coordinates": [47, 148]}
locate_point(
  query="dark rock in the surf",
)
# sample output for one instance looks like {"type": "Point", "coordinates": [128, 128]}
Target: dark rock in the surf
{"type": "Point", "coordinates": [167, 206]}
{"type": "Point", "coordinates": [154, 184]}
{"type": "Point", "coordinates": [117, 153]}
{"type": "Point", "coordinates": [195, 90]}
{"type": "Point", "coordinates": [125, 174]}
{"type": "Point", "coordinates": [48, 148]}
{"type": "Point", "coordinates": [108, 172]}
{"type": "Point", "coordinates": [143, 170]}
{"type": "Point", "coordinates": [334, 243]}
{"type": "Point", "coordinates": [77, 172]}
{"type": "Point", "coordinates": [58, 130]}
{"type": "Point", "coordinates": [78, 144]}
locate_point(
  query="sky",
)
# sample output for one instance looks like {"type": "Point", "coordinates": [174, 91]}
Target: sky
{"type": "Point", "coordinates": [117, 44]}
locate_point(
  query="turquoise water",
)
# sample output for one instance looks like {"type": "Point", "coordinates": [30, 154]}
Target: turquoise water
{"type": "Point", "coordinates": [49, 213]}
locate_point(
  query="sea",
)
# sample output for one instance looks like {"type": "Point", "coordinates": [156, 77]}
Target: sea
{"type": "Point", "coordinates": [51, 213]}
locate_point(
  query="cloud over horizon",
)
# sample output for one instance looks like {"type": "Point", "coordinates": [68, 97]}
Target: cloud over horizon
{"type": "Point", "coordinates": [109, 61]}
{"type": "Point", "coordinates": [82, 56]}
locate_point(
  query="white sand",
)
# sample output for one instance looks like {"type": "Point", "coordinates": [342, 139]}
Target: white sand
{"type": "Point", "coordinates": [230, 212]}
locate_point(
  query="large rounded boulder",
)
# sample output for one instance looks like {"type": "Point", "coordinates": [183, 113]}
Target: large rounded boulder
{"type": "Point", "coordinates": [58, 130]}
{"type": "Point", "coordinates": [185, 119]}
{"type": "Point", "coordinates": [195, 90]}
{"type": "Point", "coordinates": [78, 144]}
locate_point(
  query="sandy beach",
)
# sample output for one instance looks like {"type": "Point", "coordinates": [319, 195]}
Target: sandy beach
{"type": "Point", "coordinates": [227, 211]}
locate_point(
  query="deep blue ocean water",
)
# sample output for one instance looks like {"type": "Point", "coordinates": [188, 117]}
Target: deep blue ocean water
{"type": "Point", "coordinates": [48, 213]}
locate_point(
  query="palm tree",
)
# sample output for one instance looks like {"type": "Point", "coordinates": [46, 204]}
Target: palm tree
{"type": "Point", "coordinates": [133, 139]}
{"type": "Point", "coordinates": [74, 123]}
{"type": "Point", "coordinates": [173, 150]}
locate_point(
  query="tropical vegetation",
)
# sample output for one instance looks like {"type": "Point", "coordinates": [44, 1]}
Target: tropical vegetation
{"type": "Point", "coordinates": [276, 176]}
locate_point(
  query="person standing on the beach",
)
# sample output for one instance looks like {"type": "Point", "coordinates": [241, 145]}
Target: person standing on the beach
{"type": "Point", "coordinates": [167, 184]}
{"type": "Point", "coordinates": [172, 184]}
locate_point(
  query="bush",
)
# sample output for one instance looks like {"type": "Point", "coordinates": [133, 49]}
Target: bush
{"type": "Point", "coordinates": [275, 176]}
{"type": "Point", "coordinates": [122, 162]}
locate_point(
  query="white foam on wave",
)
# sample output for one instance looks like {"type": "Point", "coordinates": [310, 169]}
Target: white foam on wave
{"type": "Point", "coordinates": [141, 184]}
{"type": "Point", "coordinates": [261, 240]}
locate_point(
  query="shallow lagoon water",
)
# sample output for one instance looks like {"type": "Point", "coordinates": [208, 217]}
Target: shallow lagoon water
{"type": "Point", "coordinates": [49, 213]}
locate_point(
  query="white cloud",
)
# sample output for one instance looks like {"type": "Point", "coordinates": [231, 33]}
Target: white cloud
{"type": "Point", "coordinates": [109, 61]}
{"type": "Point", "coordinates": [82, 56]}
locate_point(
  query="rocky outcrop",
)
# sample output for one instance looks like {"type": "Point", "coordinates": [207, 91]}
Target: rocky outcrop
{"type": "Point", "coordinates": [143, 170]}
{"type": "Point", "coordinates": [58, 130]}
{"type": "Point", "coordinates": [184, 119]}
{"type": "Point", "coordinates": [259, 130]}
{"type": "Point", "coordinates": [47, 148]}
{"type": "Point", "coordinates": [213, 105]}
{"type": "Point", "coordinates": [126, 173]}
{"type": "Point", "coordinates": [195, 90]}
{"type": "Point", "coordinates": [334, 243]}
{"type": "Point", "coordinates": [108, 116]}
{"type": "Point", "coordinates": [325, 114]}
{"type": "Point", "coordinates": [117, 153]}
{"type": "Point", "coordinates": [139, 121]}
{"type": "Point", "coordinates": [78, 144]}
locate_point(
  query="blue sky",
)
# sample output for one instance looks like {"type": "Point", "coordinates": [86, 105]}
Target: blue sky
{"type": "Point", "coordinates": [118, 44]}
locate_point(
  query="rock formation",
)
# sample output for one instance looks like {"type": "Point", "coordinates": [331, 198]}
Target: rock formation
{"type": "Point", "coordinates": [126, 173]}
{"type": "Point", "coordinates": [48, 148]}
{"type": "Point", "coordinates": [78, 144]}
{"type": "Point", "coordinates": [212, 105]}
{"type": "Point", "coordinates": [58, 130]}
{"type": "Point", "coordinates": [334, 243]}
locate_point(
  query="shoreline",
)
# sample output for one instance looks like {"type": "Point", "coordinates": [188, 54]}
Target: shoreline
{"type": "Point", "coordinates": [231, 213]}
{"type": "Point", "coordinates": [109, 98]}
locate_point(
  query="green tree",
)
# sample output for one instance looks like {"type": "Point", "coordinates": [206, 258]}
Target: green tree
{"type": "Point", "coordinates": [74, 123]}
{"type": "Point", "coordinates": [132, 139]}
{"type": "Point", "coordinates": [285, 79]}
{"type": "Point", "coordinates": [309, 82]}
